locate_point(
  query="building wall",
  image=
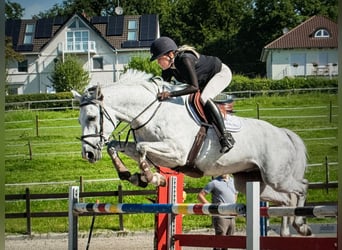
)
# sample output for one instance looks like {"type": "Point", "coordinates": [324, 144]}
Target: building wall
{"type": "Point", "coordinates": [40, 67]}
{"type": "Point", "coordinates": [292, 63]}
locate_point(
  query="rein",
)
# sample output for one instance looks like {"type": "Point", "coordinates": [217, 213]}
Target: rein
{"type": "Point", "coordinates": [153, 80]}
{"type": "Point", "coordinates": [142, 125]}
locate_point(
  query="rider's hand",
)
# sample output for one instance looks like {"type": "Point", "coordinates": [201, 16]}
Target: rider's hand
{"type": "Point", "coordinates": [163, 95]}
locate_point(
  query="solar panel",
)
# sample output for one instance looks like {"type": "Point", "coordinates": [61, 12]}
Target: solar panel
{"type": "Point", "coordinates": [99, 19]}
{"type": "Point", "coordinates": [25, 47]}
{"type": "Point", "coordinates": [115, 25]}
{"type": "Point", "coordinates": [130, 44]}
{"type": "Point", "coordinates": [145, 43]}
{"type": "Point", "coordinates": [12, 29]}
{"type": "Point", "coordinates": [44, 28]}
{"type": "Point", "coordinates": [59, 20]}
{"type": "Point", "coordinates": [148, 27]}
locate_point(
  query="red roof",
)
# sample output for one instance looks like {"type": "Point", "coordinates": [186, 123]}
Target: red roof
{"type": "Point", "coordinates": [302, 36]}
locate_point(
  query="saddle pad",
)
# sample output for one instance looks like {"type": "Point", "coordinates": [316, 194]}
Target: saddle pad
{"type": "Point", "coordinates": [233, 123]}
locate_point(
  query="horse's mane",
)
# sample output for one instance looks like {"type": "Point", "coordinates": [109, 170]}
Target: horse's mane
{"type": "Point", "coordinates": [137, 78]}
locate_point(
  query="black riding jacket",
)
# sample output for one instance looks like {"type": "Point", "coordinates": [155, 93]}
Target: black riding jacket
{"type": "Point", "coordinates": [196, 72]}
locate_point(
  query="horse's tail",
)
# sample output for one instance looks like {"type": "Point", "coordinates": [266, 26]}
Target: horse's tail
{"type": "Point", "coordinates": [301, 152]}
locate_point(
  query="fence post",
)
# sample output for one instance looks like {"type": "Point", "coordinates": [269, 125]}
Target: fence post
{"type": "Point", "coordinates": [30, 149]}
{"type": "Point", "coordinates": [37, 130]}
{"type": "Point", "coordinates": [120, 200]}
{"type": "Point", "coordinates": [28, 212]}
{"type": "Point", "coordinates": [258, 111]}
{"type": "Point", "coordinates": [327, 174]}
{"type": "Point", "coordinates": [81, 187]}
{"type": "Point", "coordinates": [330, 112]}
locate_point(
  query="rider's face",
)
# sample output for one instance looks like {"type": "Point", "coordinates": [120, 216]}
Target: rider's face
{"type": "Point", "coordinates": [165, 61]}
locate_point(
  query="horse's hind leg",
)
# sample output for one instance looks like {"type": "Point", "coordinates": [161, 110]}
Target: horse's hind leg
{"type": "Point", "coordinates": [299, 222]}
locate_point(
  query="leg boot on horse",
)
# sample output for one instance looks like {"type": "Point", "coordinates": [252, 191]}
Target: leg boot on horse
{"type": "Point", "coordinates": [123, 172]}
{"type": "Point", "coordinates": [215, 117]}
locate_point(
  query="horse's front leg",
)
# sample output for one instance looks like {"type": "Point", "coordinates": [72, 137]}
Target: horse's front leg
{"type": "Point", "coordinates": [122, 170]}
{"type": "Point", "coordinates": [153, 178]}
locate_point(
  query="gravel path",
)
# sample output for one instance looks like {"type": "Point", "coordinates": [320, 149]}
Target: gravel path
{"type": "Point", "coordinates": [103, 240]}
{"type": "Point", "coordinates": [60, 242]}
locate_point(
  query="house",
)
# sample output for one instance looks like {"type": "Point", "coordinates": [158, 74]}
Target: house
{"type": "Point", "coordinates": [103, 44]}
{"type": "Point", "coordinates": [310, 49]}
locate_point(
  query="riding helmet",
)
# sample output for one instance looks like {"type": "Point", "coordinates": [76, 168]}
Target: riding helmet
{"type": "Point", "coordinates": [161, 46]}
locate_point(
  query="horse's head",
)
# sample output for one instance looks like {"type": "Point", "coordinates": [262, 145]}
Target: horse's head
{"type": "Point", "coordinates": [97, 125]}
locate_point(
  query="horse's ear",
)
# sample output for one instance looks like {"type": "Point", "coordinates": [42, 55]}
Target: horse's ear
{"type": "Point", "coordinates": [76, 95]}
{"type": "Point", "coordinates": [99, 95]}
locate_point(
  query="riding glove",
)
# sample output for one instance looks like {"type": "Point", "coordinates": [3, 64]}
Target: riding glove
{"type": "Point", "coordinates": [163, 95]}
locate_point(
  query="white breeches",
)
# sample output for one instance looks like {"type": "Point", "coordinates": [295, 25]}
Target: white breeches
{"type": "Point", "coordinates": [217, 84]}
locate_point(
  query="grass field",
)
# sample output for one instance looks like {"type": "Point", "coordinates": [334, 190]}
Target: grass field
{"type": "Point", "coordinates": [56, 156]}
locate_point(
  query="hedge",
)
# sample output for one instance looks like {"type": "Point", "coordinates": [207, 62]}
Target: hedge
{"type": "Point", "coordinates": [239, 83]}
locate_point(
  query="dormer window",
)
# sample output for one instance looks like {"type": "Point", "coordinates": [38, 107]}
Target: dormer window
{"type": "Point", "coordinates": [322, 33]}
{"type": "Point", "coordinates": [29, 31]}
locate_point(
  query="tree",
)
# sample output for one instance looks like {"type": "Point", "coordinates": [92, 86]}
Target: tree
{"type": "Point", "coordinates": [13, 10]}
{"type": "Point", "coordinates": [144, 64]}
{"type": "Point", "coordinates": [234, 30]}
{"type": "Point", "coordinates": [69, 75]}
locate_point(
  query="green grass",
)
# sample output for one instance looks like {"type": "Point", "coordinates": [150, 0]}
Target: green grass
{"type": "Point", "coordinates": [56, 156]}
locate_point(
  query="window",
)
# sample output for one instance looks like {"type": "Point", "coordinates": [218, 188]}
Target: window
{"type": "Point", "coordinates": [22, 66]}
{"type": "Point", "coordinates": [322, 33]}
{"type": "Point", "coordinates": [132, 30]}
{"type": "Point", "coordinates": [77, 40]}
{"type": "Point", "coordinates": [29, 31]}
{"type": "Point", "coordinates": [77, 23]}
{"type": "Point", "coordinates": [12, 90]}
{"type": "Point", "coordinates": [98, 63]}
{"type": "Point", "coordinates": [77, 36]}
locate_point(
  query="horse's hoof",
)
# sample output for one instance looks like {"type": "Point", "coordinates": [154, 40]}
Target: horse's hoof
{"type": "Point", "coordinates": [163, 183]}
{"type": "Point", "coordinates": [137, 181]}
{"type": "Point", "coordinates": [124, 175]}
{"type": "Point", "coordinates": [305, 230]}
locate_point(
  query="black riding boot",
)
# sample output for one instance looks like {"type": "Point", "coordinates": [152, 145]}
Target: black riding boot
{"type": "Point", "coordinates": [214, 115]}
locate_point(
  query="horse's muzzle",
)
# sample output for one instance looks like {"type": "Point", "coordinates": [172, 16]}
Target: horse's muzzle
{"type": "Point", "coordinates": [92, 156]}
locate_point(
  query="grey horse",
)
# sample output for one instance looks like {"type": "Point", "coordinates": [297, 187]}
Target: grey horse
{"type": "Point", "coordinates": [164, 134]}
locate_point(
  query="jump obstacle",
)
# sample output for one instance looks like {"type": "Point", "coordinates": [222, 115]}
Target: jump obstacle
{"type": "Point", "coordinates": [168, 235]}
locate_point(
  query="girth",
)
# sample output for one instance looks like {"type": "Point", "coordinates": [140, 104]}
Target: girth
{"type": "Point", "coordinates": [189, 168]}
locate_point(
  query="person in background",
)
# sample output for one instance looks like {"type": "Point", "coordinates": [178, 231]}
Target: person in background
{"type": "Point", "coordinates": [204, 74]}
{"type": "Point", "coordinates": [225, 104]}
{"type": "Point", "coordinates": [222, 190]}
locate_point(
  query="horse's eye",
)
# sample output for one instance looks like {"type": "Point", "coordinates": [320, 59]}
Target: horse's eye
{"type": "Point", "coordinates": [91, 118]}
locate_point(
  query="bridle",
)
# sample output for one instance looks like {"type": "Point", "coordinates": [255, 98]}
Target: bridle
{"type": "Point", "coordinates": [103, 114]}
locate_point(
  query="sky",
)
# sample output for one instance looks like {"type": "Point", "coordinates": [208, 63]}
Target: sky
{"type": "Point", "coordinates": [33, 7]}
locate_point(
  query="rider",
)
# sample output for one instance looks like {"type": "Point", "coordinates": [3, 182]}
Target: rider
{"type": "Point", "coordinates": [206, 74]}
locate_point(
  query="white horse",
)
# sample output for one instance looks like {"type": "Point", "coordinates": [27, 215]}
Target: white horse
{"type": "Point", "coordinates": [164, 133]}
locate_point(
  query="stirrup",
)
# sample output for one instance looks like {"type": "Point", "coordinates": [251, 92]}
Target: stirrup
{"type": "Point", "coordinates": [227, 142]}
